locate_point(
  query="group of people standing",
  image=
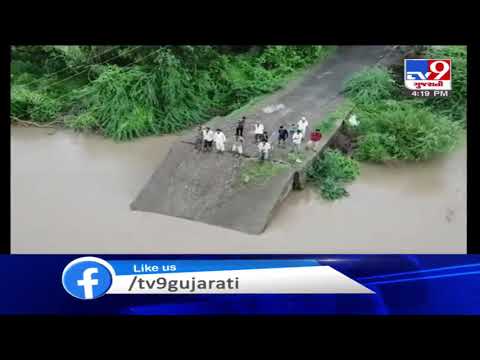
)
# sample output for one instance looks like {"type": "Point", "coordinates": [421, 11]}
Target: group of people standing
{"type": "Point", "coordinates": [207, 137]}
{"type": "Point", "coordinates": [296, 132]}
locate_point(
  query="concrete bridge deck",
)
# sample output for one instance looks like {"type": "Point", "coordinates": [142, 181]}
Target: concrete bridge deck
{"type": "Point", "coordinates": [203, 186]}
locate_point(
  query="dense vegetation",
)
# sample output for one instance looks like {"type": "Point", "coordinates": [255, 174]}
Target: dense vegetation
{"type": "Point", "coordinates": [404, 130]}
{"type": "Point", "coordinates": [125, 92]}
{"type": "Point", "coordinates": [395, 126]}
{"type": "Point", "coordinates": [331, 172]}
{"type": "Point", "coordinates": [454, 106]}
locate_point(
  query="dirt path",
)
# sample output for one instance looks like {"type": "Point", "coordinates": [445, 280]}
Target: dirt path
{"type": "Point", "coordinates": [200, 186]}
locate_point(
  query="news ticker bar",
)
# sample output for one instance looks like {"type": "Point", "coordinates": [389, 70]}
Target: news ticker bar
{"type": "Point", "coordinates": [90, 277]}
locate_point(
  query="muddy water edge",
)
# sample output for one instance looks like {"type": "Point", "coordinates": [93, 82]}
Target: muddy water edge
{"type": "Point", "coordinates": [71, 194]}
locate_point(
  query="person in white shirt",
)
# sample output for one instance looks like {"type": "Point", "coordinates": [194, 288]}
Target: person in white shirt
{"type": "Point", "coordinates": [297, 140]}
{"type": "Point", "coordinates": [259, 129]}
{"type": "Point", "coordinates": [208, 135]}
{"type": "Point", "coordinates": [302, 125]}
{"type": "Point", "coordinates": [264, 149]}
{"type": "Point", "coordinates": [353, 120]}
{"type": "Point", "coordinates": [219, 139]}
{"type": "Point", "coordinates": [238, 145]}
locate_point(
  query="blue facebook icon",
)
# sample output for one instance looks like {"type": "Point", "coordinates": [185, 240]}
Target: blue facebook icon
{"type": "Point", "coordinates": [87, 278]}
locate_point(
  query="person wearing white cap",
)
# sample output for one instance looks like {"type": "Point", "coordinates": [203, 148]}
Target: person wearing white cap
{"type": "Point", "coordinates": [302, 125]}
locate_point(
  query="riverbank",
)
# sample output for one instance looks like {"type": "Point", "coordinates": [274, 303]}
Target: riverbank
{"type": "Point", "coordinates": [160, 90]}
{"type": "Point", "coordinates": [71, 194]}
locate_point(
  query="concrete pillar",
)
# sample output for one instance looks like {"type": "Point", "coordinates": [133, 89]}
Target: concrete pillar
{"type": "Point", "coordinates": [299, 180]}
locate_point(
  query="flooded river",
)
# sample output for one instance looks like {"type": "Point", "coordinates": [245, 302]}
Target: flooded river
{"type": "Point", "coordinates": [71, 194]}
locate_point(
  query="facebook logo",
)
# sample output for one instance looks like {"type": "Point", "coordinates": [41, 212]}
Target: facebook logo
{"type": "Point", "coordinates": [87, 278]}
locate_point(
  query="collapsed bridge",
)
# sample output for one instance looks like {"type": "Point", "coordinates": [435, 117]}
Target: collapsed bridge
{"type": "Point", "coordinates": [203, 186]}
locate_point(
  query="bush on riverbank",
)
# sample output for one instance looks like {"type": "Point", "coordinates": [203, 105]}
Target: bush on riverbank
{"type": "Point", "coordinates": [455, 105]}
{"type": "Point", "coordinates": [396, 127]}
{"type": "Point", "coordinates": [29, 104]}
{"type": "Point", "coordinates": [331, 172]}
{"type": "Point", "coordinates": [402, 130]}
{"type": "Point", "coordinates": [147, 90]}
{"type": "Point", "coordinates": [371, 85]}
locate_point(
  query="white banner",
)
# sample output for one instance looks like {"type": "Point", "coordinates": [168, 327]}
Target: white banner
{"type": "Point", "coordinates": [288, 280]}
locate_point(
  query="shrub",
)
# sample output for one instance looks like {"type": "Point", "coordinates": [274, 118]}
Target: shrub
{"type": "Point", "coordinates": [370, 85]}
{"type": "Point", "coordinates": [29, 104]}
{"type": "Point", "coordinates": [82, 121]}
{"type": "Point", "coordinates": [19, 67]}
{"type": "Point", "coordinates": [330, 189]}
{"type": "Point", "coordinates": [282, 59]}
{"type": "Point", "coordinates": [72, 55]}
{"type": "Point", "coordinates": [182, 99]}
{"type": "Point", "coordinates": [122, 101]}
{"type": "Point", "coordinates": [331, 172]}
{"type": "Point", "coordinates": [24, 78]}
{"type": "Point", "coordinates": [403, 131]}
{"type": "Point", "coordinates": [454, 106]}
{"type": "Point", "coordinates": [375, 146]}
{"type": "Point", "coordinates": [285, 59]}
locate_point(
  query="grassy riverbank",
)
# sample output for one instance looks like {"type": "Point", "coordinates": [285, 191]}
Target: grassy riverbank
{"type": "Point", "coordinates": [125, 92]}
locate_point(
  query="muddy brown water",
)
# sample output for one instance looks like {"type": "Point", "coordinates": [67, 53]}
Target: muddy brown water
{"type": "Point", "coordinates": [71, 194]}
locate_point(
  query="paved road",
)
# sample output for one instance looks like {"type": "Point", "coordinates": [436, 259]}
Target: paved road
{"type": "Point", "coordinates": [203, 186]}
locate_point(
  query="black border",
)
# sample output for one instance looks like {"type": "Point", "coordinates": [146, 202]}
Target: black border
{"type": "Point", "coordinates": [6, 178]}
{"type": "Point", "coordinates": [224, 332]}
{"type": "Point", "coordinates": [473, 238]}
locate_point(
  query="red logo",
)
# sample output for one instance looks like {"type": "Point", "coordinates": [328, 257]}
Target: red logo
{"type": "Point", "coordinates": [439, 69]}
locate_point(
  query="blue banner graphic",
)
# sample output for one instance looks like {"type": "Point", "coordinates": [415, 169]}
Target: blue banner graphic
{"type": "Point", "coordinates": [398, 284]}
{"type": "Point", "coordinates": [131, 267]}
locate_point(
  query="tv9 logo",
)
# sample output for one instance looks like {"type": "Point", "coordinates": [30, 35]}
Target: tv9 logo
{"type": "Point", "coordinates": [428, 74]}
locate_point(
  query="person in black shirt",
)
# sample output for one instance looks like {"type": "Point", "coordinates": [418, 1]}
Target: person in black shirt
{"type": "Point", "coordinates": [264, 136]}
{"type": "Point", "coordinates": [199, 139]}
{"type": "Point", "coordinates": [240, 126]}
{"type": "Point", "coordinates": [282, 135]}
